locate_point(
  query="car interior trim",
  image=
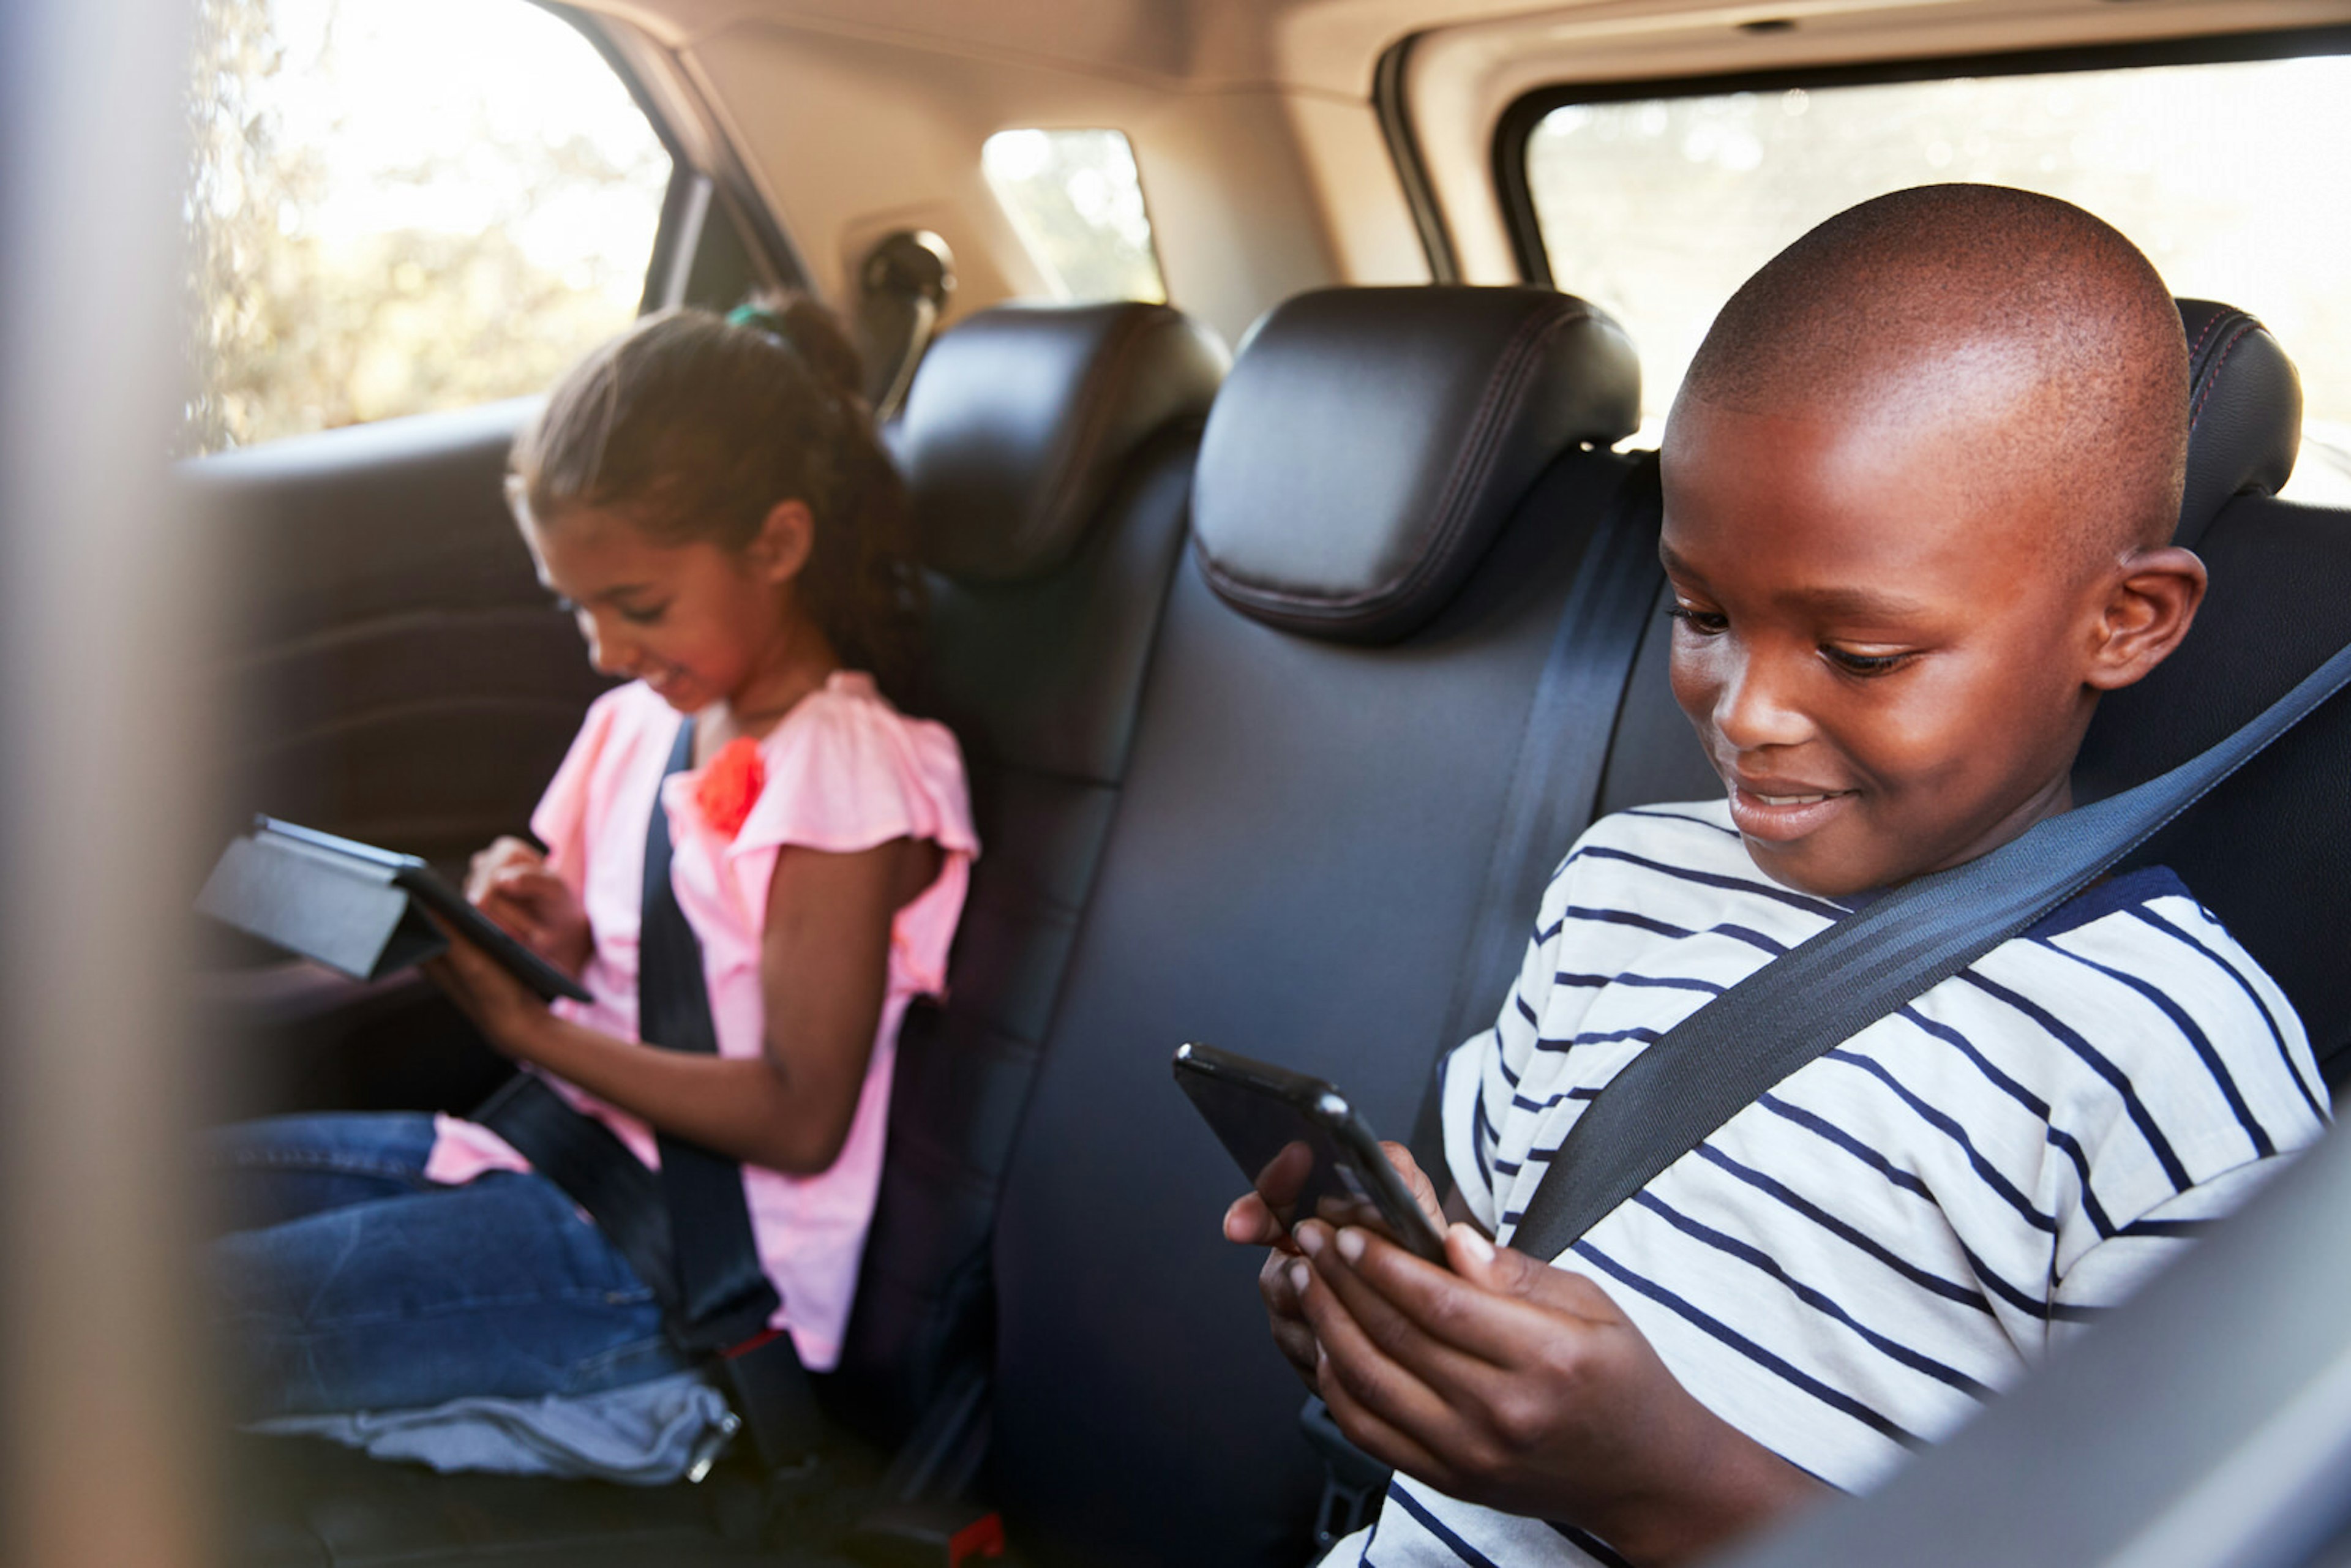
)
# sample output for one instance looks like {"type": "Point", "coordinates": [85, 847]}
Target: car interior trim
{"type": "Point", "coordinates": [682, 116]}
{"type": "Point", "coordinates": [1525, 112]}
{"type": "Point", "coordinates": [1388, 101]}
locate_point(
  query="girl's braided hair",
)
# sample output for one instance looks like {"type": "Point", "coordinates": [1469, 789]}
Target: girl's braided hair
{"type": "Point", "coordinates": [695, 427]}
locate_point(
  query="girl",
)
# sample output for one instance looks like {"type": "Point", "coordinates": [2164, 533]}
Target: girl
{"type": "Point", "coordinates": [710, 499]}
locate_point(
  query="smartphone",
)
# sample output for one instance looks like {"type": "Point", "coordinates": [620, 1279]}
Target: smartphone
{"type": "Point", "coordinates": [1304, 1148]}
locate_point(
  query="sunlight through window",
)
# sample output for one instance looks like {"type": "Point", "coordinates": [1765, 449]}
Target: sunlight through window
{"type": "Point", "coordinates": [1077, 201]}
{"type": "Point", "coordinates": [400, 206]}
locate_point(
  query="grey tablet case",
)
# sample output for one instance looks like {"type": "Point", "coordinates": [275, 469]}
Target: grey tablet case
{"type": "Point", "coordinates": [355, 908]}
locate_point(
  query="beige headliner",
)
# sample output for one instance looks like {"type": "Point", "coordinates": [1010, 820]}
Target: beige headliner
{"type": "Point", "coordinates": [1332, 45]}
{"type": "Point", "coordinates": [1262, 160]}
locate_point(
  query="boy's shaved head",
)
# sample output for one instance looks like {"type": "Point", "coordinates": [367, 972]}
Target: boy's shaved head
{"type": "Point", "coordinates": [1919, 489]}
{"type": "Point", "coordinates": [2036, 329]}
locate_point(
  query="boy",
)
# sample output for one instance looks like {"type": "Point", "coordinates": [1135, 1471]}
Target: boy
{"type": "Point", "coordinates": [1920, 487]}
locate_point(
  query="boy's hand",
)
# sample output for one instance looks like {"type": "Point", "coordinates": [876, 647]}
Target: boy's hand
{"type": "Point", "coordinates": [509, 883]}
{"type": "Point", "coordinates": [1280, 1283]}
{"type": "Point", "coordinates": [1521, 1386]}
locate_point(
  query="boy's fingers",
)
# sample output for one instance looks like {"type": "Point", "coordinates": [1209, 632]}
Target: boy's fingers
{"type": "Point", "coordinates": [1279, 1285]}
{"type": "Point", "coordinates": [1386, 1363]}
{"type": "Point", "coordinates": [1495, 1310]}
{"type": "Point", "coordinates": [1379, 1438]}
{"type": "Point", "coordinates": [1415, 1345]}
{"type": "Point", "coordinates": [1282, 1281]}
{"type": "Point", "coordinates": [1423, 1191]}
{"type": "Point", "coordinates": [1285, 1281]}
{"type": "Point", "coordinates": [1250, 1223]}
{"type": "Point", "coordinates": [1510, 1273]}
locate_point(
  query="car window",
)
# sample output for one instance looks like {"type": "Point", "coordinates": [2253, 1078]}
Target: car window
{"type": "Point", "coordinates": [399, 205]}
{"type": "Point", "coordinates": [1076, 199]}
{"type": "Point", "coordinates": [1656, 209]}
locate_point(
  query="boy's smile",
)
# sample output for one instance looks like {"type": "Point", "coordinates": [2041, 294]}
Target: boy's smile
{"type": "Point", "coordinates": [1887, 652]}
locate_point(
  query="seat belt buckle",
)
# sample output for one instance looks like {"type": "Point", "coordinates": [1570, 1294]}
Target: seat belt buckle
{"type": "Point", "coordinates": [1354, 1484]}
{"type": "Point", "coordinates": [770, 1389]}
{"type": "Point", "coordinates": [932, 1533]}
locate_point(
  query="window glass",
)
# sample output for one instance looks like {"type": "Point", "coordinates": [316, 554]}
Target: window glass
{"type": "Point", "coordinates": [397, 205]}
{"type": "Point", "coordinates": [2225, 174]}
{"type": "Point", "coordinates": [1077, 201]}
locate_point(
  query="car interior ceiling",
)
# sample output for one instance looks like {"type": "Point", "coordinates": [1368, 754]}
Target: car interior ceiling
{"type": "Point", "coordinates": [1238, 645]}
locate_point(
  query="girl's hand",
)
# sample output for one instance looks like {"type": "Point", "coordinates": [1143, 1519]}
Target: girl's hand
{"type": "Point", "coordinates": [506, 1011]}
{"type": "Point", "coordinates": [509, 883]}
{"type": "Point", "coordinates": [1521, 1386]}
{"type": "Point", "coordinates": [1282, 1282]}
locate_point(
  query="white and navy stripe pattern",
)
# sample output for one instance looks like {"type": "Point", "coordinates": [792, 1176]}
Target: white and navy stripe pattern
{"type": "Point", "coordinates": [1849, 1266]}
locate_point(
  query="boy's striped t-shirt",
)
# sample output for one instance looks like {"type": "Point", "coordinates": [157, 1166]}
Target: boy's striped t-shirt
{"type": "Point", "coordinates": [1848, 1269]}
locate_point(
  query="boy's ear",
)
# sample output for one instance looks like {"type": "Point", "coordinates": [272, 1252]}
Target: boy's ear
{"type": "Point", "coordinates": [781, 546]}
{"type": "Point", "coordinates": [2151, 601]}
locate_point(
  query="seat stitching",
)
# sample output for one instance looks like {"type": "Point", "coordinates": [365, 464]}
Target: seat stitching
{"type": "Point", "coordinates": [2213, 381]}
{"type": "Point", "coordinates": [1093, 418]}
{"type": "Point", "coordinates": [2206, 330]}
{"type": "Point", "coordinates": [1510, 378]}
{"type": "Point", "coordinates": [1512, 375]}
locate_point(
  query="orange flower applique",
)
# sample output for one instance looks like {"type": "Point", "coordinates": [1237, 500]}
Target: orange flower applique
{"type": "Point", "coordinates": [729, 785]}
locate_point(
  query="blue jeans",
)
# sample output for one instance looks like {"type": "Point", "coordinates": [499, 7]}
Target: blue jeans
{"type": "Point", "coordinates": [351, 1282]}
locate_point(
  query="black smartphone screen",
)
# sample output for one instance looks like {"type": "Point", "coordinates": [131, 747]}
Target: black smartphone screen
{"type": "Point", "coordinates": [1303, 1147]}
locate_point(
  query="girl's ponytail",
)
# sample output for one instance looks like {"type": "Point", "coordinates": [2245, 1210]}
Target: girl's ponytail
{"type": "Point", "coordinates": [813, 332]}
{"type": "Point", "coordinates": [866, 592]}
{"type": "Point", "coordinates": [696, 427]}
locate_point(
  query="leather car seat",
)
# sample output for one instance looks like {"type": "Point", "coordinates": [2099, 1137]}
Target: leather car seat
{"type": "Point", "coordinates": [2270, 851]}
{"type": "Point", "coordinates": [1394, 491]}
{"type": "Point", "coordinates": [1313, 783]}
{"type": "Point", "coordinates": [1048, 451]}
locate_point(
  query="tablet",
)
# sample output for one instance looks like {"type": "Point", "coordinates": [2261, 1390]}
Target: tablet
{"type": "Point", "coordinates": [356, 909]}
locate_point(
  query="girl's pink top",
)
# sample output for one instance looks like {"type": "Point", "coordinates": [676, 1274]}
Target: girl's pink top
{"type": "Point", "coordinates": [845, 771]}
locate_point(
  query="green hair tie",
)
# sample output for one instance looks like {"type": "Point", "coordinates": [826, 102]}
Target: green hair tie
{"type": "Point", "coordinates": [756, 317]}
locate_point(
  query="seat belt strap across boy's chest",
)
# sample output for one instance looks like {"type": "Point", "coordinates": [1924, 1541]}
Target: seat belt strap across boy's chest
{"type": "Point", "coordinates": [1562, 757]}
{"type": "Point", "coordinates": [1828, 988]}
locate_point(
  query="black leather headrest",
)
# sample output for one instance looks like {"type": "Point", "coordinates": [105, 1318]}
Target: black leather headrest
{"type": "Point", "coordinates": [1370, 442]}
{"type": "Point", "coordinates": [1022, 417]}
{"type": "Point", "coordinates": [2245, 411]}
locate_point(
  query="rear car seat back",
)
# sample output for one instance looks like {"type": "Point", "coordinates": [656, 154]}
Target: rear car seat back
{"type": "Point", "coordinates": [1300, 844]}
{"type": "Point", "coordinates": [1048, 451]}
{"type": "Point", "coordinates": [1050, 455]}
{"type": "Point", "coordinates": [1319, 767]}
{"type": "Point", "coordinates": [2270, 851]}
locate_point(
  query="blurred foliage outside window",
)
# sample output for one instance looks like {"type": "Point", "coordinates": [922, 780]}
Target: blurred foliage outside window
{"type": "Point", "coordinates": [1076, 200]}
{"type": "Point", "coordinates": [400, 206]}
{"type": "Point", "coordinates": [2228, 176]}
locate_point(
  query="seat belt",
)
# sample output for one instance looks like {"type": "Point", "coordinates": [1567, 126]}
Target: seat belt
{"type": "Point", "coordinates": [1555, 778]}
{"type": "Point", "coordinates": [685, 1230]}
{"type": "Point", "coordinates": [585, 1158]}
{"type": "Point", "coordinates": [725, 1297]}
{"type": "Point", "coordinates": [1554, 793]}
{"type": "Point", "coordinates": [1826, 989]}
